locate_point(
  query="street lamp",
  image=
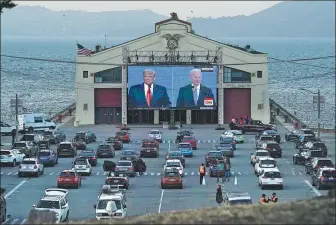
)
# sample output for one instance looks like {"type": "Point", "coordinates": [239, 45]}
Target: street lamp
{"type": "Point", "coordinates": [318, 108]}
{"type": "Point", "coordinates": [17, 113]}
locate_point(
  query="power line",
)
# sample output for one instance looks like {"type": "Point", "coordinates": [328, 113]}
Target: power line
{"type": "Point", "coordinates": [231, 64]}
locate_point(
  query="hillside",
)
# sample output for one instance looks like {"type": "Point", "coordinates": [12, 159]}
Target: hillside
{"type": "Point", "coordinates": [285, 19]}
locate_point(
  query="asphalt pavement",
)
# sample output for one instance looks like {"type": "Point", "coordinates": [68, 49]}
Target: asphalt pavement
{"type": "Point", "coordinates": [145, 195]}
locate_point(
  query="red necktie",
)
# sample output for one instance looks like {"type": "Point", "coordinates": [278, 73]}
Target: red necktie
{"type": "Point", "coordinates": [149, 97]}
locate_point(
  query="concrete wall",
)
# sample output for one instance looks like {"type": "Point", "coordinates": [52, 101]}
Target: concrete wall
{"type": "Point", "coordinates": [113, 57]}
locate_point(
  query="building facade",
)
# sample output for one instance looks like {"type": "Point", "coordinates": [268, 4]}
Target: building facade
{"type": "Point", "coordinates": [102, 82]}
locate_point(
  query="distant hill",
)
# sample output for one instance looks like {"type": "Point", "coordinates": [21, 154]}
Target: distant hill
{"type": "Point", "coordinates": [285, 19]}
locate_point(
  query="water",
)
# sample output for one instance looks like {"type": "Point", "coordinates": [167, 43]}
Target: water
{"type": "Point", "coordinates": [52, 85]}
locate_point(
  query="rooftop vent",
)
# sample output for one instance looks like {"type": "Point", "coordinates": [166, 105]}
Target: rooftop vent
{"type": "Point", "coordinates": [174, 15]}
{"type": "Point", "coordinates": [248, 48]}
{"type": "Point", "coordinates": [98, 48]}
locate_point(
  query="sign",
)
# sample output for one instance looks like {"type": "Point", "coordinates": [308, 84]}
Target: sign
{"type": "Point", "coordinates": [231, 85]}
{"type": "Point", "coordinates": [208, 101]}
{"type": "Point", "coordinates": [19, 104]}
{"type": "Point", "coordinates": [315, 101]}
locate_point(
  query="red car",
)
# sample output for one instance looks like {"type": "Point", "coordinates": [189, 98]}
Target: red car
{"type": "Point", "coordinates": [69, 178]}
{"type": "Point", "coordinates": [191, 140]}
{"type": "Point", "coordinates": [124, 136]}
{"type": "Point", "coordinates": [171, 179]}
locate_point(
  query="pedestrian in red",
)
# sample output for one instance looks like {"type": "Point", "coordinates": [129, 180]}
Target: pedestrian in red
{"type": "Point", "coordinates": [60, 118]}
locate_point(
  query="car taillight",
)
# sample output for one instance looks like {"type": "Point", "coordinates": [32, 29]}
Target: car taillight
{"type": "Point", "coordinates": [35, 166]}
{"type": "Point", "coordinates": [165, 179]}
{"type": "Point", "coordinates": [76, 178]}
{"type": "Point", "coordinates": [123, 179]}
{"type": "Point", "coordinates": [93, 157]}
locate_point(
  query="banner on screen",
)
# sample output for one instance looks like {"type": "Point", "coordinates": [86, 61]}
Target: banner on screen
{"type": "Point", "coordinates": [172, 87]}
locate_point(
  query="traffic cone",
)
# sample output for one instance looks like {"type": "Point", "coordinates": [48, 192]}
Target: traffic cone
{"type": "Point", "coordinates": [203, 181]}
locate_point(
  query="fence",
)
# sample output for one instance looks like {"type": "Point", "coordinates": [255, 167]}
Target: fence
{"type": "Point", "coordinates": [64, 112]}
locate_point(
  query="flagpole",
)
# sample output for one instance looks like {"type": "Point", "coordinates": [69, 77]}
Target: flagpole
{"type": "Point", "coordinates": [105, 41]}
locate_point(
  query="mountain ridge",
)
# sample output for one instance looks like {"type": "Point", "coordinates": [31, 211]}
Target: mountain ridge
{"type": "Point", "coordinates": [285, 19]}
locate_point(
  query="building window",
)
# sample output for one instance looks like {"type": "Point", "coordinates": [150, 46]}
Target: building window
{"type": "Point", "coordinates": [85, 107]}
{"type": "Point", "coordinates": [259, 74]}
{"type": "Point", "coordinates": [109, 76]}
{"type": "Point", "coordinates": [85, 74]}
{"type": "Point", "coordinates": [236, 76]}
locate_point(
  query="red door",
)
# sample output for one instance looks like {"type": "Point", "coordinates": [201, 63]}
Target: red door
{"type": "Point", "coordinates": [107, 97]}
{"type": "Point", "coordinates": [237, 103]}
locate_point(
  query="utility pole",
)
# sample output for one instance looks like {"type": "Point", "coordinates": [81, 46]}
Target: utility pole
{"type": "Point", "coordinates": [105, 41]}
{"type": "Point", "coordinates": [318, 113]}
{"type": "Point", "coordinates": [16, 117]}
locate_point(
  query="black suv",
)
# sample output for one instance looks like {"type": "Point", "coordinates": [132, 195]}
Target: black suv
{"type": "Point", "coordinates": [295, 134]}
{"type": "Point", "coordinates": [66, 149]}
{"type": "Point", "coordinates": [304, 156]}
{"type": "Point", "coordinates": [262, 139]}
{"type": "Point", "coordinates": [276, 136]}
{"type": "Point", "coordinates": [273, 148]}
{"type": "Point", "coordinates": [316, 145]}
{"type": "Point", "coordinates": [316, 163]}
{"type": "Point", "coordinates": [303, 139]}
{"type": "Point", "coordinates": [105, 151]}
{"type": "Point", "coordinates": [3, 206]}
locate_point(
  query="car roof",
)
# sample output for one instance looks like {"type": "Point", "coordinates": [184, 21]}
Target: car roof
{"type": "Point", "coordinates": [266, 158]}
{"type": "Point", "coordinates": [238, 195]}
{"type": "Point", "coordinates": [174, 151]}
{"type": "Point", "coordinates": [65, 142]}
{"type": "Point", "coordinates": [45, 150]}
{"type": "Point", "coordinates": [125, 161]}
{"type": "Point", "coordinates": [68, 171]}
{"type": "Point", "coordinates": [304, 135]}
{"type": "Point", "coordinates": [305, 129]}
{"type": "Point", "coordinates": [173, 160]}
{"type": "Point", "coordinates": [214, 151]}
{"type": "Point", "coordinates": [274, 169]}
{"type": "Point", "coordinates": [154, 130]}
{"type": "Point", "coordinates": [104, 144]}
{"type": "Point", "coordinates": [20, 142]}
{"type": "Point", "coordinates": [52, 198]}
{"type": "Point", "coordinates": [187, 136]}
{"type": "Point", "coordinates": [29, 159]}
{"type": "Point", "coordinates": [185, 143]}
{"type": "Point", "coordinates": [235, 131]}
{"type": "Point", "coordinates": [261, 150]}
{"type": "Point", "coordinates": [327, 169]}
{"type": "Point", "coordinates": [271, 142]}
{"type": "Point", "coordinates": [7, 150]}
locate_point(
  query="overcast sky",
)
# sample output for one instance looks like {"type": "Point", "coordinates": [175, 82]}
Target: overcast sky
{"type": "Point", "coordinates": [184, 9]}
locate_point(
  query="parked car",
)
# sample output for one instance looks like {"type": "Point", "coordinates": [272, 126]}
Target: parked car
{"type": "Point", "coordinates": [11, 157]}
{"type": "Point", "coordinates": [116, 143]}
{"type": "Point", "coordinates": [105, 151]}
{"type": "Point", "coordinates": [126, 166]}
{"type": "Point", "coordinates": [227, 141]}
{"type": "Point", "coordinates": [124, 136]}
{"type": "Point", "coordinates": [69, 178]}
{"type": "Point", "coordinates": [26, 147]}
{"type": "Point", "coordinates": [253, 126]}
{"type": "Point", "coordinates": [119, 179]}
{"type": "Point", "coordinates": [47, 157]}
{"type": "Point", "coordinates": [324, 178]}
{"type": "Point", "coordinates": [191, 140]}
{"type": "Point", "coordinates": [273, 133]}
{"type": "Point", "coordinates": [295, 134]}
{"type": "Point", "coordinates": [82, 166]}
{"type": "Point", "coordinates": [305, 155]}
{"type": "Point", "coordinates": [171, 179]}
{"type": "Point", "coordinates": [186, 149]}
{"type": "Point", "coordinates": [91, 155]}
{"type": "Point", "coordinates": [31, 166]}
{"type": "Point", "coordinates": [66, 149]}
{"type": "Point", "coordinates": [45, 144]}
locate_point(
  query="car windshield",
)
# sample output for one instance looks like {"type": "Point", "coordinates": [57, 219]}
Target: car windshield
{"type": "Point", "coordinates": [68, 174]}
{"type": "Point", "coordinates": [124, 164]}
{"type": "Point", "coordinates": [154, 132]}
{"type": "Point", "coordinates": [316, 154]}
{"type": "Point", "coordinates": [88, 153]}
{"type": "Point", "coordinates": [241, 202]}
{"type": "Point", "coordinates": [271, 132]}
{"type": "Point", "coordinates": [29, 162]}
{"type": "Point", "coordinates": [272, 145]}
{"type": "Point", "coordinates": [184, 145]}
{"type": "Point", "coordinates": [112, 139]}
{"type": "Point", "coordinates": [308, 132]}
{"type": "Point", "coordinates": [65, 146]}
{"type": "Point", "coordinates": [121, 133]}
{"type": "Point", "coordinates": [329, 173]}
{"type": "Point", "coordinates": [80, 162]}
{"type": "Point", "coordinates": [323, 163]}
{"type": "Point", "coordinates": [215, 154]}
{"type": "Point", "coordinates": [262, 154]}
{"type": "Point", "coordinates": [266, 138]}
{"type": "Point", "coordinates": [148, 145]}
{"type": "Point", "coordinates": [226, 140]}
{"type": "Point", "coordinates": [19, 145]}
{"type": "Point", "coordinates": [128, 153]}
{"type": "Point", "coordinates": [43, 204]}
{"type": "Point", "coordinates": [28, 137]}
{"type": "Point", "coordinates": [104, 147]}
{"type": "Point", "coordinates": [267, 161]}
{"type": "Point", "coordinates": [5, 152]}
{"type": "Point", "coordinates": [173, 164]}
{"type": "Point", "coordinates": [47, 133]}
{"type": "Point", "coordinates": [103, 203]}
{"type": "Point", "coordinates": [319, 145]}
{"type": "Point", "coordinates": [171, 174]}
{"type": "Point", "coordinates": [273, 175]}
{"type": "Point", "coordinates": [188, 138]}
{"type": "Point", "coordinates": [174, 154]}
{"type": "Point", "coordinates": [309, 138]}
{"type": "Point", "coordinates": [223, 145]}
{"type": "Point", "coordinates": [44, 153]}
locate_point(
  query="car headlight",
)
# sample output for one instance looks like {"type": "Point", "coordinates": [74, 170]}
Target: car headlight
{"type": "Point", "coordinates": [118, 214]}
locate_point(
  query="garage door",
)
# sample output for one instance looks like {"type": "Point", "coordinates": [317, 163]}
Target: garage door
{"type": "Point", "coordinates": [107, 97]}
{"type": "Point", "coordinates": [237, 103]}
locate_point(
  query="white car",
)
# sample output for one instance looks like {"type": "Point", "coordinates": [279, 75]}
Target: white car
{"type": "Point", "coordinates": [155, 134]}
{"type": "Point", "coordinates": [31, 166]}
{"type": "Point", "coordinates": [12, 157]}
{"type": "Point", "coordinates": [107, 196]}
{"type": "Point", "coordinates": [264, 163]}
{"type": "Point", "coordinates": [270, 177]}
{"type": "Point", "coordinates": [174, 163]}
{"type": "Point", "coordinates": [237, 135]}
{"type": "Point", "coordinates": [55, 201]}
{"type": "Point", "coordinates": [82, 166]}
{"type": "Point", "coordinates": [6, 130]}
{"type": "Point", "coordinates": [257, 154]}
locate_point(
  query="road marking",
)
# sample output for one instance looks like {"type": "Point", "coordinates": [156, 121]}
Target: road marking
{"type": "Point", "coordinates": [105, 173]}
{"type": "Point", "coordinates": [185, 174]}
{"type": "Point", "coordinates": [239, 173]}
{"type": "Point", "coordinates": [15, 188]}
{"type": "Point", "coordinates": [6, 220]}
{"type": "Point", "coordinates": [246, 173]}
{"type": "Point", "coordinates": [160, 205]}
{"type": "Point", "coordinates": [293, 172]}
{"type": "Point", "coordinates": [313, 188]}
{"type": "Point", "coordinates": [50, 174]}
{"type": "Point", "coordinates": [9, 173]}
{"type": "Point", "coordinates": [198, 141]}
{"type": "Point", "coordinates": [152, 174]}
{"type": "Point", "coordinates": [300, 173]}
{"type": "Point", "coordinates": [235, 181]}
{"type": "Point", "coordinates": [192, 174]}
{"type": "Point", "coordinates": [23, 221]}
{"type": "Point", "coordinates": [2, 173]}
{"type": "Point", "coordinates": [97, 173]}
{"type": "Point", "coordinates": [232, 173]}
{"type": "Point", "coordinates": [145, 174]}
{"type": "Point", "coordinates": [168, 146]}
{"type": "Point", "coordinates": [208, 141]}
{"type": "Point", "coordinates": [14, 221]}
{"type": "Point", "coordinates": [158, 174]}
{"type": "Point", "coordinates": [214, 141]}
{"type": "Point", "coordinates": [16, 173]}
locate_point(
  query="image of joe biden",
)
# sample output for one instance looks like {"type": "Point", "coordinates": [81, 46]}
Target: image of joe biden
{"type": "Point", "coordinates": [148, 94]}
{"type": "Point", "coordinates": [194, 94]}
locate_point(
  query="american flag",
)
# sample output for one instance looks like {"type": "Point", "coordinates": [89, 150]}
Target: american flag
{"type": "Point", "coordinates": [83, 51]}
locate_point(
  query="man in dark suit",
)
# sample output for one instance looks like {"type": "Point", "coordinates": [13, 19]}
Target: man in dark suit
{"type": "Point", "coordinates": [148, 94]}
{"type": "Point", "coordinates": [193, 95]}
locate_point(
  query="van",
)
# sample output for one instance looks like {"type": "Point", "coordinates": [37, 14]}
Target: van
{"type": "Point", "coordinates": [34, 122]}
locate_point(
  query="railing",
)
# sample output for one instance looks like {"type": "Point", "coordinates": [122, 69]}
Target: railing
{"type": "Point", "coordinates": [289, 117]}
{"type": "Point", "coordinates": [64, 112]}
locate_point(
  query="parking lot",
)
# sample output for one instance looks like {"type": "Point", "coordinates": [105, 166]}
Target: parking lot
{"type": "Point", "coordinates": [145, 194]}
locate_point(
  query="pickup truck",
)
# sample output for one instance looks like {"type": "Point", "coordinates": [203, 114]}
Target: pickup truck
{"type": "Point", "coordinates": [253, 126]}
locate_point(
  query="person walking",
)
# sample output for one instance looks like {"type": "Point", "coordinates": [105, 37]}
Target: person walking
{"type": "Point", "coordinates": [220, 170]}
{"type": "Point", "coordinates": [227, 171]}
{"type": "Point", "coordinates": [202, 172]}
{"type": "Point", "coordinates": [234, 120]}
{"type": "Point", "coordinates": [219, 195]}
{"type": "Point", "coordinates": [13, 134]}
{"type": "Point", "coordinates": [246, 120]}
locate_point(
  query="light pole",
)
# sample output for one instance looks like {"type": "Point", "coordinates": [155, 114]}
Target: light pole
{"type": "Point", "coordinates": [17, 114]}
{"type": "Point", "coordinates": [318, 108]}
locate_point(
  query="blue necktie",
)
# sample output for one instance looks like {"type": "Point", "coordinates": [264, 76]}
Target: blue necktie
{"type": "Point", "coordinates": [195, 95]}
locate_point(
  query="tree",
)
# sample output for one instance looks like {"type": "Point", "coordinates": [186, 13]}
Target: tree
{"type": "Point", "coordinates": [6, 4]}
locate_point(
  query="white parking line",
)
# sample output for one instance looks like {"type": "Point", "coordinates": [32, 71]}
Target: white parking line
{"type": "Point", "coordinates": [313, 188]}
{"type": "Point", "coordinates": [97, 173]}
{"type": "Point", "coordinates": [239, 173]}
{"type": "Point", "coordinates": [9, 173]}
{"type": "Point", "coordinates": [158, 174]}
{"type": "Point", "coordinates": [192, 174]}
{"type": "Point", "coordinates": [293, 172]}
{"type": "Point", "coordinates": [300, 173]}
{"type": "Point", "coordinates": [145, 174]}
{"type": "Point", "coordinates": [2, 173]}
{"type": "Point", "coordinates": [152, 174]}
{"type": "Point", "coordinates": [160, 205]}
{"type": "Point", "coordinates": [185, 174]}
{"type": "Point", "coordinates": [23, 221]}
{"type": "Point", "coordinates": [14, 221]}
{"type": "Point", "coordinates": [51, 174]}
{"type": "Point", "coordinates": [16, 173]}
{"type": "Point", "coordinates": [6, 220]}
{"type": "Point", "coordinates": [15, 188]}
{"type": "Point", "coordinates": [232, 173]}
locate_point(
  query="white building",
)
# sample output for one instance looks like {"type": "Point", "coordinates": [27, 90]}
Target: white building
{"type": "Point", "coordinates": [101, 79]}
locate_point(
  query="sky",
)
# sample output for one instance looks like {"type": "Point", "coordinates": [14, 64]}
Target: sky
{"type": "Point", "coordinates": [184, 9]}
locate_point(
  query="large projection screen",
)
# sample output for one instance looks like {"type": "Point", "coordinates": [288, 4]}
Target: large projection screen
{"type": "Point", "coordinates": [172, 87]}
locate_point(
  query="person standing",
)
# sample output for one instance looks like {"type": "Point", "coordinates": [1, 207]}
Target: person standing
{"type": "Point", "coordinates": [233, 120]}
{"type": "Point", "coordinates": [274, 198]}
{"type": "Point", "coordinates": [13, 134]}
{"type": "Point", "coordinates": [227, 170]}
{"type": "Point", "coordinates": [219, 195]}
{"type": "Point", "coordinates": [263, 199]}
{"type": "Point", "coordinates": [202, 172]}
{"type": "Point", "coordinates": [220, 170]}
